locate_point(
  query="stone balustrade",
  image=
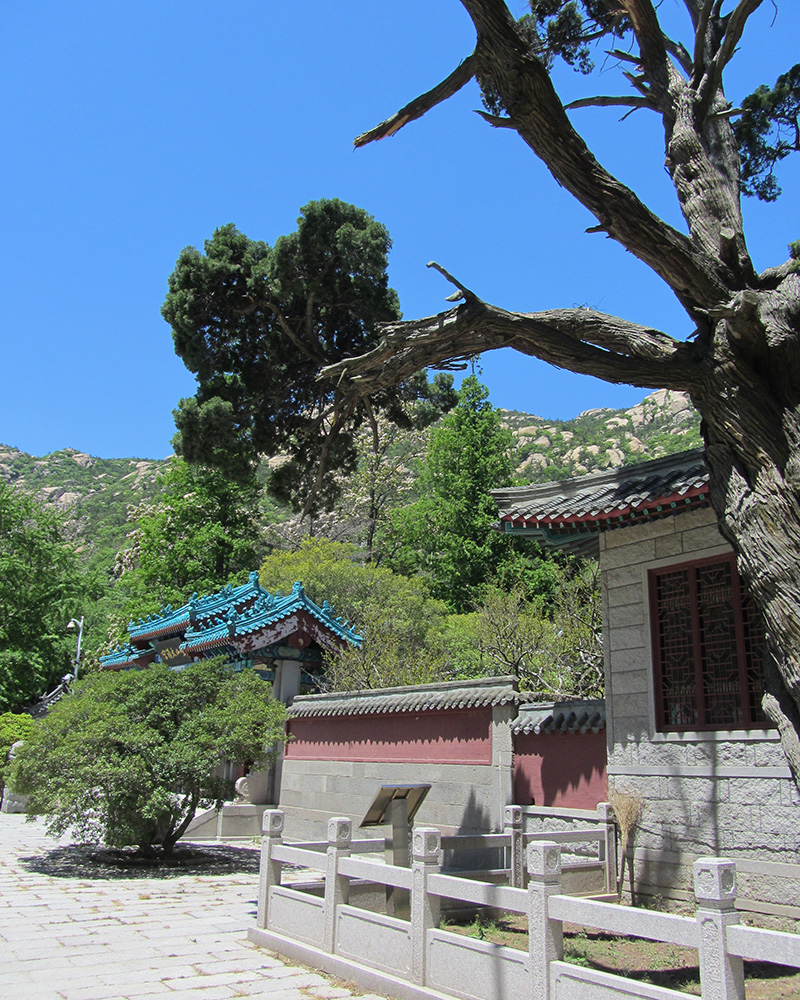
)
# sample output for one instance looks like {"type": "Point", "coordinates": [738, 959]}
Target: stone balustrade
{"type": "Point", "coordinates": [344, 926]}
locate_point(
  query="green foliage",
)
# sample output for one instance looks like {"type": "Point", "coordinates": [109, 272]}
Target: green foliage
{"type": "Point", "coordinates": [767, 131]}
{"type": "Point", "coordinates": [202, 530]}
{"type": "Point", "coordinates": [127, 758]}
{"type": "Point", "coordinates": [257, 323]}
{"type": "Point", "coordinates": [447, 534]}
{"type": "Point", "coordinates": [41, 589]}
{"type": "Point", "coordinates": [13, 728]}
{"type": "Point", "coordinates": [566, 29]}
{"type": "Point", "coordinates": [554, 648]}
{"type": "Point", "coordinates": [402, 625]}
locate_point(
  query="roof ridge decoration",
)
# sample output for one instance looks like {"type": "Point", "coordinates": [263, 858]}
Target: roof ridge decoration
{"type": "Point", "coordinates": [232, 618]}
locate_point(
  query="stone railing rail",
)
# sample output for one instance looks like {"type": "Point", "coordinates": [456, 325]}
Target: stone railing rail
{"type": "Point", "coordinates": [512, 841]}
{"type": "Point", "coordinates": [415, 959]}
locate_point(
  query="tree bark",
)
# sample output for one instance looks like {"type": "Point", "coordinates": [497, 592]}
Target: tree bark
{"type": "Point", "coordinates": [741, 367]}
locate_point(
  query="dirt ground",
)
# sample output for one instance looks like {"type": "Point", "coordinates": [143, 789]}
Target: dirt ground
{"type": "Point", "coordinates": [648, 961]}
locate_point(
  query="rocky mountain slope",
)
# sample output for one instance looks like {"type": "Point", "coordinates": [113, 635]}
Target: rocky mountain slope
{"type": "Point", "coordinates": [662, 424]}
{"type": "Point", "coordinates": [94, 493]}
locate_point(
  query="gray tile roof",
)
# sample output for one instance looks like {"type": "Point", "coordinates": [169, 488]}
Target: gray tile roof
{"type": "Point", "coordinates": [486, 691]}
{"type": "Point", "coordinates": [561, 717]}
{"type": "Point", "coordinates": [614, 498]}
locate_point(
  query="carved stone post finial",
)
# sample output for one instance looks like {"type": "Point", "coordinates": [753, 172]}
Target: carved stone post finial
{"type": "Point", "coordinates": [721, 974]}
{"type": "Point", "coordinates": [545, 936]}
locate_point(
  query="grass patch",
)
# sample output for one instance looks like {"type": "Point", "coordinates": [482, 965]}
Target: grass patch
{"type": "Point", "coordinates": [653, 962]}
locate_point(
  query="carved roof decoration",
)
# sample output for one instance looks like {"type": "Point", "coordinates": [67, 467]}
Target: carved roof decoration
{"type": "Point", "coordinates": [575, 716]}
{"type": "Point", "coordinates": [266, 611]}
{"type": "Point", "coordinates": [572, 512]}
{"type": "Point", "coordinates": [486, 691]}
{"type": "Point", "coordinates": [198, 609]}
{"type": "Point", "coordinates": [126, 655]}
{"type": "Point", "coordinates": [245, 621]}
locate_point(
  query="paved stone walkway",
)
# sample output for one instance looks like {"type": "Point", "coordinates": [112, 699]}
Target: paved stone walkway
{"type": "Point", "coordinates": [71, 929]}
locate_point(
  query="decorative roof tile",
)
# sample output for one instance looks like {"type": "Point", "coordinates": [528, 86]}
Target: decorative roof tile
{"type": "Point", "coordinates": [266, 610]}
{"type": "Point", "coordinates": [556, 512]}
{"type": "Point", "coordinates": [197, 609]}
{"type": "Point", "coordinates": [487, 691]}
{"type": "Point", "coordinates": [580, 716]}
{"type": "Point", "coordinates": [126, 655]}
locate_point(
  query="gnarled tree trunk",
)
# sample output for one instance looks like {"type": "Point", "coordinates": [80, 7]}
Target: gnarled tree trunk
{"type": "Point", "coordinates": [742, 364]}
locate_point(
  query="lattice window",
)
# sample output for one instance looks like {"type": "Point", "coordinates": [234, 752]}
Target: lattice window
{"type": "Point", "coordinates": [708, 648]}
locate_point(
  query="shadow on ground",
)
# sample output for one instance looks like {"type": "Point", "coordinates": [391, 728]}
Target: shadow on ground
{"type": "Point", "coordinates": [88, 861]}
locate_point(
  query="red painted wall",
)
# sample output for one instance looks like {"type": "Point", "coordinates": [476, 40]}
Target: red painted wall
{"type": "Point", "coordinates": [556, 769]}
{"type": "Point", "coordinates": [450, 737]}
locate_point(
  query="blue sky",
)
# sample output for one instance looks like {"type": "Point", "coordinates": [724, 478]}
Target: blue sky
{"type": "Point", "coordinates": [132, 130]}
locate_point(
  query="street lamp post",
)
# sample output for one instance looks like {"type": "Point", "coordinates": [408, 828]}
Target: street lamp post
{"type": "Point", "coordinates": [73, 623]}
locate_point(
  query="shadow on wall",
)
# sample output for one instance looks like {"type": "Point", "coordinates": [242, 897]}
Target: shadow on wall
{"type": "Point", "coordinates": [554, 769]}
{"type": "Point", "coordinates": [682, 817]}
{"type": "Point", "coordinates": [474, 819]}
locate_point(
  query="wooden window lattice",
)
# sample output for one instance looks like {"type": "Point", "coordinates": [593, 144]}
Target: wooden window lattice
{"type": "Point", "coordinates": [708, 648]}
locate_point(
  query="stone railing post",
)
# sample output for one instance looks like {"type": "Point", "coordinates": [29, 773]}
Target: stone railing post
{"type": "Point", "coordinates": [512, 817]}
{"type": "Point", "coordinates": [426, 859]}
{"type": "Point", "coordinates": [608, 845]}
{"type": "Point", "coordinates": [721, 974]}
{"type": "Point", "coordinates": [337, 887]}
{"type": "Point", "coordinates": [545, 936]}
{"type": "Point", "coordinates": [269, 872]}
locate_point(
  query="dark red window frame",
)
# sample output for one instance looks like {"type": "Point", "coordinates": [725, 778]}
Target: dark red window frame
{"type": "Point", "coordinates": [708, 648]}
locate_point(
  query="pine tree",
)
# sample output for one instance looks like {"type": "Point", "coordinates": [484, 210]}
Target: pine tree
{"type": "Point", "coordinates": [447, 534]}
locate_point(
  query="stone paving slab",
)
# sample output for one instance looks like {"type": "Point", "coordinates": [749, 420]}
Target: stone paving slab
{"type": "Point", "coordinates": [72, 930]}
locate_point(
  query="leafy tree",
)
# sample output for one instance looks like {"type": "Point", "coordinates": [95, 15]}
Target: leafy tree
{"type": "Point", "coordinates": [741, 364]}
{"type": "Point", "coordinates": [13, 728]}
{"type": "Point", "coordinates": [256, 323]}
{"type": "Point", "coordinates": [554, 649]}
{"type": "Point", "coordinates": [41, 588]}
{"type": "Point", "coordinates": [381, 481]}
{"type": "Point", "coordinates": [403, 627]}
{"type": "Point", "coordinates": [127, 758]}
{"type": "Point", "coordinates": [447, 534]}
{"type": "Point", "coordinates": [201, 531]}
{"type": "Point", "coordinates": [767, 132]}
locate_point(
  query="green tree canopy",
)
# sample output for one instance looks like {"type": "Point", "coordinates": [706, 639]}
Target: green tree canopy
{"type": "Point", "coordinates": [257, 323]}
{"type": "Point", "coordinates": [447, 534]}
{"type": "Point", "coordinates": [42, 587]}
{"type": "Point", "coordinates": [551, 643]}
{"type": "Point", "coordinates": [13, 727]}
{"type": "Point", "coordinates": [202, 530]}
{"type": "Point", "coordinates": [127, 758]}
{"type": "Point", "coordinates": [767, 131]}
{"type": "Point", "coordinates": [403, 627]}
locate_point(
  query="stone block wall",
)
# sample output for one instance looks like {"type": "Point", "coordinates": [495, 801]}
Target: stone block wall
{"type": "Point", "coordinates": [705, 793]}
{"type": "Point", "coordinates": [470, 786]}
{"type": "Point", "coordinates": [460, 800]}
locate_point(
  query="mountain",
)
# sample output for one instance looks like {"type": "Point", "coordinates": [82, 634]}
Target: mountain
{"type": "Point", "coordinates": [663, 423]}
{"type": "Point", "coordinates": [94, 493]}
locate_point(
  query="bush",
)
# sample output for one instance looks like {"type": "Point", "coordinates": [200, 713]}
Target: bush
{"type": "Point", "coordinates": [13, 728]}
{"type": "Point", "coordinates": [127, 758]}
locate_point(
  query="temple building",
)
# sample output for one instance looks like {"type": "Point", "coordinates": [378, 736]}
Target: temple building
{"type": "Point", "coordinates": [282, 637]}
{"type": "Point", "coordinates": [684, 676]}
